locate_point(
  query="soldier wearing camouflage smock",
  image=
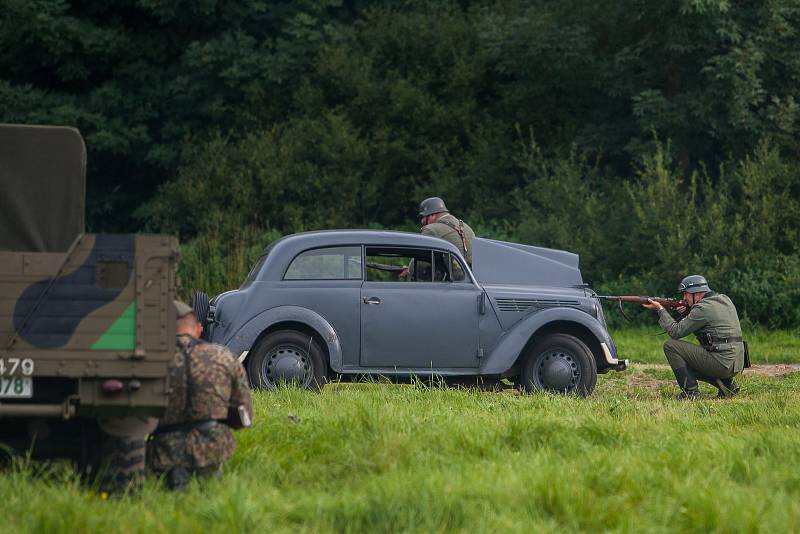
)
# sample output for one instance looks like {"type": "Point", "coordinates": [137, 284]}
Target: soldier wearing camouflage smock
{"type": "Point", "coordinates": [209, 395]}
{"type": "Point", "coordinates": [721, 354]}
{"type": "Point", "coordinates": [438, 222]}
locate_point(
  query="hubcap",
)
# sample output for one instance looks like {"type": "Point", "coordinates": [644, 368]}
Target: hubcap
{"type": "Point", "coordinates": [289, 364]}
{"type": "Point", "coordinates": [557, 370]}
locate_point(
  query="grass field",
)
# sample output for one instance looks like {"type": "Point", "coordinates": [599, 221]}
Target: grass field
{"type": "Point", "coordinates": [766, 346]}
{"type": "Point", "coordinates": [389, 458]}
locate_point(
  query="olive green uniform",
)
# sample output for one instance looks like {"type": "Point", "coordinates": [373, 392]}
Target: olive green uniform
{"type": "Point", "coordinates": [455, 231]}
{"type": "Point", "coordinates": [714, 321]}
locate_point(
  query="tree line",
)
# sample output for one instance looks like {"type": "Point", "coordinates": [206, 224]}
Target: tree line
{"type": "Point", "coordinates": [655, 139]}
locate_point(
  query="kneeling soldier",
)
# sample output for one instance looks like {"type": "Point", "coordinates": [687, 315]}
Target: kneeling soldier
{"type": "Point", "coordinates": [209, 396]}
{"type": "Point", "coordinates": [713, 319]}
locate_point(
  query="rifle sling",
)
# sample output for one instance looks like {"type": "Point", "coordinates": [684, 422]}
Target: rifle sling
{"type": "Point", "coordinates": [459, 230]}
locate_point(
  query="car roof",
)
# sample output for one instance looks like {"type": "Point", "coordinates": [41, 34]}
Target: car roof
{"type": "Point", "coordinates": [323, 238]}
{"type": "Point", "coordinates": [283, 250]}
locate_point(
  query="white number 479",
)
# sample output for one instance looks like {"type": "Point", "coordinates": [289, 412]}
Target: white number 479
{"type": "Point", "coordinates": [11, 366]}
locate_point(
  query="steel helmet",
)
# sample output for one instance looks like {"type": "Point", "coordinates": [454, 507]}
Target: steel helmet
{"type": "Point", "coordinates": [694, 283]}
{"type": "Point", "coordinates": [432, 205]}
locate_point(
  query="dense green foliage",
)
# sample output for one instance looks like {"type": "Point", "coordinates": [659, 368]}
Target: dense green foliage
{"type": "Point", "coordinates": [655, 139]}
{"type": "Point", "coordinates": [387, 458]}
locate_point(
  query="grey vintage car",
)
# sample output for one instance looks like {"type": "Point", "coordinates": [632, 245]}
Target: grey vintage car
{"type": "Point", "coordinates": [337, 304]}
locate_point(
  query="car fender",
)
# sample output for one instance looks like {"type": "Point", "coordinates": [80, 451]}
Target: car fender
{"type": "Point", "coordinates": [511, 344]}
{"type": "Point", "coordinates": [244, 339]}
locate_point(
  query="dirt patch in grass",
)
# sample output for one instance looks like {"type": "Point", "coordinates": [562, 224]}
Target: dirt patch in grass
{"type": "Point", "coordinates": [649, 376]}
{"type": "Point", "coordinates": [774, 370]}
{"type": "Point", "coordinates": [769, 370]}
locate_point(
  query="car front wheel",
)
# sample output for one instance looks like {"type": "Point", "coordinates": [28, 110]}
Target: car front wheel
{"type": "Point", "coordinates": [559, 363]}
{"type": "Point", "coordinates": [288, 357]}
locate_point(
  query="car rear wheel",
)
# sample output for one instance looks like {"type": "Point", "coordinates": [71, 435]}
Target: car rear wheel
{"type": "Point", "coordinates": [288, 357]}
{"type": "Point", "coordinates": [559, 363]}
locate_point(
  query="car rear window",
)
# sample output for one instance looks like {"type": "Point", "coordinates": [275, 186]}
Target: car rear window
{"type": "Point", "coordinates": [332, 263]}
{"type": "Point", "coordinates": [253, 274]}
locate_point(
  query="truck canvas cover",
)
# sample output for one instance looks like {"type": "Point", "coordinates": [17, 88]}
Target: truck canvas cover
{"type": "Point", "coordinates": [42, 187]}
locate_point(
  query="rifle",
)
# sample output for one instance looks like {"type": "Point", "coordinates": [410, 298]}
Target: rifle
{"type": "Point", "coordinates": [386, 267]}
{"type": "Point", "coordinates": [667, 303]}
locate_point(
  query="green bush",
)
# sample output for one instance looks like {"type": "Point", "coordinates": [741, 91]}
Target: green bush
{"type": "Point", "coordinates": [216, 262]}
{"type": "Point", "coordinates": [768, 292]}
{"type": "Point", "coordinates": [738, 228]}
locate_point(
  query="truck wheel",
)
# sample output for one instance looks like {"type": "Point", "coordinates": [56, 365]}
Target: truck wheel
{"type": "Point", "coordinates": [287, 356]}
{"type": "Point", "coordinates": [115, 464]}
{"type": "Point", "coordinates": [559, 363]}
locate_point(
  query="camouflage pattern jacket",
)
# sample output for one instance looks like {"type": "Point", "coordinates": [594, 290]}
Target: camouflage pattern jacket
{"type": "Point", "coordinates": [204, 390]}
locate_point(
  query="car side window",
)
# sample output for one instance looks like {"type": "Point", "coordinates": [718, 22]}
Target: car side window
{"type": "Point", "coordinates": [441, 267]}
{"type": "Point", "coordinates": [457, 271]}
{"type": "Point", "coordinates": [333, 263]}
{"type": "Point", "coordinates": [387, 264]}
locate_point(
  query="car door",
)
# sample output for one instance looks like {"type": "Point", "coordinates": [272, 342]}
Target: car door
{"type": "Point", "coordinates": [327, 281]}
{"type": "Point", "coordinates": [424, 319]}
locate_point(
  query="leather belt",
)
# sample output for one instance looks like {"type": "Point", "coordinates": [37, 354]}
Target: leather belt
{"type": "Point", "coordinates": [723, 340]}
{"type": "Point", "coordinates": [205, 424]}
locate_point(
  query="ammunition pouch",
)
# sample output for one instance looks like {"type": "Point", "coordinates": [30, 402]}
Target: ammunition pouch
{"type": "Point", "coordinates": [714, 344]}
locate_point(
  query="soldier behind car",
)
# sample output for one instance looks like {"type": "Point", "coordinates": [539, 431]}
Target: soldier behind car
{"type": "Point", "coordinates": [209, 396]}
{"type": "Point", "coordinates": [713, 319]}
{"type": "Point", "coordinates": [437, 221]}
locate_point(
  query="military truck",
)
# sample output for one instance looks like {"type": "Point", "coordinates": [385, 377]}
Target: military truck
{"type": "Point", "coordinates": [87, 325]}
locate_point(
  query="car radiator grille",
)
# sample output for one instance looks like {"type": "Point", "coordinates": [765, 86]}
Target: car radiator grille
{"type": "Point", "coordinates": [523, 305]}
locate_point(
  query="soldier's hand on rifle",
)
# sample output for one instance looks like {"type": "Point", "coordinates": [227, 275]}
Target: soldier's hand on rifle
{"type": "Point", "coordinates": [403, 274]}
{"type": "Point", "coordinates": [682, 310]}
{"type": "Point", "coordinates": [652, 305]}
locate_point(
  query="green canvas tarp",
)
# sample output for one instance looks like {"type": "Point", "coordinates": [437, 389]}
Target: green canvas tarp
{"type": "Point", "coordinates": [42, 187]}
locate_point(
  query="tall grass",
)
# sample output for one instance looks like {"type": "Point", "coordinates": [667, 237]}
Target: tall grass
{"type": "Point", "coordinates": [386, 458]}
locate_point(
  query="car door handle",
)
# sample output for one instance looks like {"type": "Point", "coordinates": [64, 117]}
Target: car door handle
{"type": "Point", "coordinates": [370, 300]}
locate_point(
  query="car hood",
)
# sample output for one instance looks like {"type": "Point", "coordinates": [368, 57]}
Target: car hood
{"type": "Point", "coordinates": [502, 263]}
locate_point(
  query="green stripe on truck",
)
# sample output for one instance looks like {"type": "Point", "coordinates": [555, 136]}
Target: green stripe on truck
{"type": "Point", "coordinates": [122, 334]}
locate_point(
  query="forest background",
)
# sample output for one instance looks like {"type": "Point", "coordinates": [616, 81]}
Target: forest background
{"type": "Point", "coordinates": [654, 139]}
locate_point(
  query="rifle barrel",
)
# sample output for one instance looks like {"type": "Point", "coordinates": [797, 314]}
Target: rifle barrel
{"type": "Point", "coordinates": [669, 303]}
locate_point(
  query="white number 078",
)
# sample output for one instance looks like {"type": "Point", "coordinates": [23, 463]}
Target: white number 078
{"type": "Point", "coordinates": [13, 366]}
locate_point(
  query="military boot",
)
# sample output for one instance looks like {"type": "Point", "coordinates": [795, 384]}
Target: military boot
{"type": "Point", "coordinates": [688, 384]}
{"type": "Point", "coordinates": [727, 388]}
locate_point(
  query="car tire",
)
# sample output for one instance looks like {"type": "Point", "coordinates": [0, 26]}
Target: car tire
{"type": "Point", "coordinates": [287, 356]}
{"type": "Point", "coordinates": [559, 363]}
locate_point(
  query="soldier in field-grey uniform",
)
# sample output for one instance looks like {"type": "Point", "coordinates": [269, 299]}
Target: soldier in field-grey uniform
{"type": "Point", "coordinates": [721, 354]}
{"type": "Point", "coordinates": [438, 222]}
